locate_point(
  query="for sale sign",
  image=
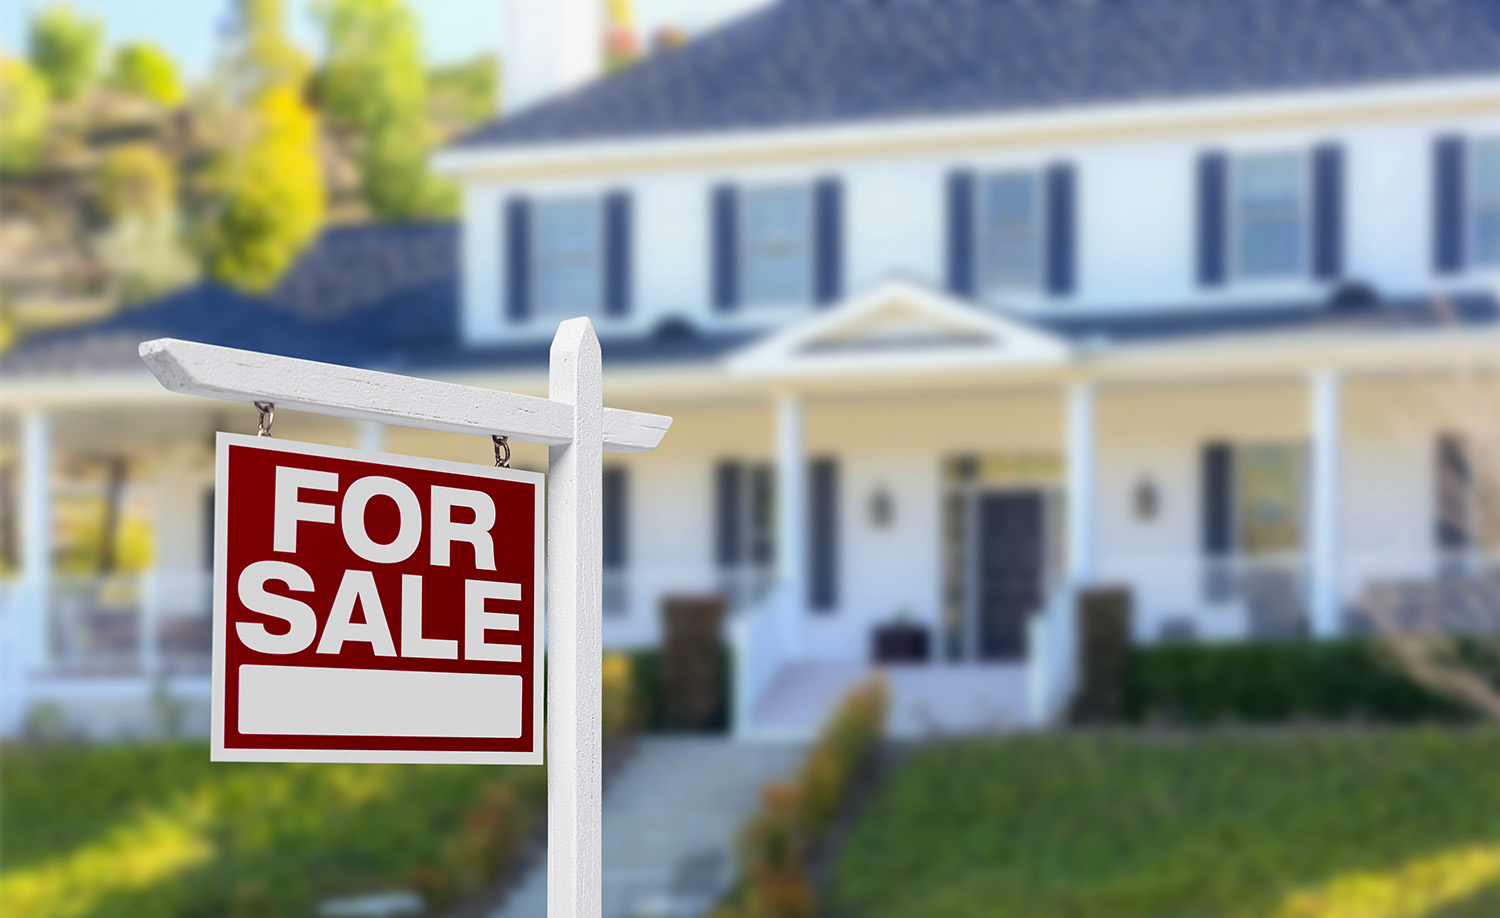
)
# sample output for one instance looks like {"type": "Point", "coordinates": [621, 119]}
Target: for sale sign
{"type": "Point", "coordinates": [374, 608]}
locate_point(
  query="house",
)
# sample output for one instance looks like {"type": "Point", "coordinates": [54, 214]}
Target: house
{"type": "Point", "coordinates": [959, 307]}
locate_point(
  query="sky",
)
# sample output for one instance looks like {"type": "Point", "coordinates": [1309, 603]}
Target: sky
{"type": "Point", "coordinates": [451, 29]}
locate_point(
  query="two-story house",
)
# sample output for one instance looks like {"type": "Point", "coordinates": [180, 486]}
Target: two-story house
{"type": "Point", "coordinates": [959, 307]}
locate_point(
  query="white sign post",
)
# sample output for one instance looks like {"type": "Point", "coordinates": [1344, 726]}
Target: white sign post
{"type": "Point", "coordinates": [576, 427]}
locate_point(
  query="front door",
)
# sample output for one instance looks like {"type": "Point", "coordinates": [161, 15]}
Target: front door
{"type": "Point", "coordinates": [1008, 571]}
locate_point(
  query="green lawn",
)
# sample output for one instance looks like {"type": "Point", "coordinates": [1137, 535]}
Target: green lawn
{"type": "Point", "coordinates": [158, 831]}
{"type": "Point", "coordinates": [1379, 824]}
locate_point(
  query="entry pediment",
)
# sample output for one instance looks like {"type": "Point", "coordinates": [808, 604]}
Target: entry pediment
{"type": "Point", "coordinates": [902, 320]}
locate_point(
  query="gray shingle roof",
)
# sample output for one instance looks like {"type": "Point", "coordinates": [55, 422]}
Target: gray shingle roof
{"type": "Point", "coordinates": [808, 62]}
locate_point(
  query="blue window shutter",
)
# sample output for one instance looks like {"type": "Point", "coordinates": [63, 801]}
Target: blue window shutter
{"type": "Point", "coordinates": [1328, 212]}
{"type": "Point", "coordinates": [1212, 215]}
{"type": "Point", "coordinates": [1448, 205]}
{"type": "Point", "coordinates": [1061, 241]}
{"type": "Point", "coordinates": [961, 279]}
{"type": "Point", "coordinates": [823, 542]}
{"type": "Point", "coordinates": [518, 259]}
{"type": "Point", "coordinates": [1218, 500]}
{"type": "Point", "coordinates": [616, 523]}
{"type": "Point", "coordinates": [830, 241]}
{"type": "Point", "coordinates": [1454, 492]}
{"type": "Point", "coordinates": [725, 253]}
{"type": "Point", "coordinates": [617, 253]}
{"type": "Point", "coordinates": [728, 484]}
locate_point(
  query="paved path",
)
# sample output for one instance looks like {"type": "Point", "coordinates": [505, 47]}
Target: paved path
{"type": "Point", "coordinates": [677, 797]}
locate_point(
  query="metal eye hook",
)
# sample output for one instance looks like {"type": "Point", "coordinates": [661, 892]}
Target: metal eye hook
{"type": "Point", "coordinates": [501, 443]}
{"type": "Point", "coordinates": [267, 418]}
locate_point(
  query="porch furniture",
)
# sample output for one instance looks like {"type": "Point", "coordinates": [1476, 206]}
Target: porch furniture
{"type": "Point", "coordinates": [1104, 615]}
{"type": "Point", "coordinates": [1274, 604]}
{"type": "Point", "coordinates": [901, 642]}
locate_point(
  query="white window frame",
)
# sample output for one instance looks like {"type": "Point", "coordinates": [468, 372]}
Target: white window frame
{"type": "Point", "coordinates": [1304, 216]}
{"type": "Point", "coordinates": [1472, 204]}
{"type": "Point", "coordinates": [981, 255]}
{"type": "Point", "coordinates": [744, 246]}
{"type": "Point", "coordinates": [538, 259]}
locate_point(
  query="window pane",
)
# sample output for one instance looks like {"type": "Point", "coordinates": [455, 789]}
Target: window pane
{"type": "Point", "coordinates": [775, 249]}
{"type": "Point", "coordinates": [1268, 505]}
{"type": "Point", "coordinates": [1269, 212]}
{"type": "Point", "coordinates": [565, 260]}
{"type": "Point", "coordinates": [1010, 231]}
{"type": "Point", "coordinates": [1485, 200]}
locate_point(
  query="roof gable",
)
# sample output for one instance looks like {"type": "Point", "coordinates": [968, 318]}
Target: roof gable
{"type": "Point", "coordinates": [810, 62]}
{"type": "Point", "coordinates": [899, 325]}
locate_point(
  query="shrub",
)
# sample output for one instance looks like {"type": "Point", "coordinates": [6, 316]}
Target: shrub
{"type": "Point", "coordinates": [1272, 682]}
{"type": "Point", "coordinates": [619, 688]}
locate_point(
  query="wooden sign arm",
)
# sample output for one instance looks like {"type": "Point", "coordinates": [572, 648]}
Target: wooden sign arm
{"type": "Point", "coordinates": [366, 395]}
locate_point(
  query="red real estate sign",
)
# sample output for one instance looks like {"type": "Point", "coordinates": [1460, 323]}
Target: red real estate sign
{"type": "Point", "coordinates": [374, 608]}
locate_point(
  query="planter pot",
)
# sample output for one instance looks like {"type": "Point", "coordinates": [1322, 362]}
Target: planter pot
{"type": "Point", "coordinates": [901, 643]}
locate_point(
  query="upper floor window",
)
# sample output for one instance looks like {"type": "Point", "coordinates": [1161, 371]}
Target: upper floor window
{"type": "Point", "coordinates": [567, 256]}
{"type": "Point", "coordinates": [776, 244]}
{"type": "Point", "coordinates": [1484, 201]}
{"type": "Point", "coordinates": [1011, 239]}
{"type": "Point", "coordinates": [1270, 215]}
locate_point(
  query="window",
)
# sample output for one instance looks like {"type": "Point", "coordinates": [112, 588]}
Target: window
{"type": "Point", "coordinates": [1268, 500]}
{"type": "Point", "coordinates": [776, 245]}
{"type": "Point", "coordinates": [1270, 215]}
{"type": "Point", "coordinates": [566, 260]}
{"type": "Point", "coordinates": [1484, 201]}
{"type": "Point", "coordinates": [1010, 232]}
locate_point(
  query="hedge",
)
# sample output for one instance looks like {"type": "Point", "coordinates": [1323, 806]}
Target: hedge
{"type": "Point", "coordinates": [1285, 681]}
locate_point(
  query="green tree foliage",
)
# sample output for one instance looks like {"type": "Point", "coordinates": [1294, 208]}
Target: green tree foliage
{"type": "Point", "coordinates": [23, 117]}
{"type": "Point", "coordinates": [374, 82]}
{"type": "Point", "coordinates": [65, 49]}
{"type": "Point", "coordinates": [264, 56]}
{"type": "Point", "coordinates": [272, 194]}
{"type": "Point", "coordinates": [145, 70]}
{"type": "Point", "coordinates": [136, 188]}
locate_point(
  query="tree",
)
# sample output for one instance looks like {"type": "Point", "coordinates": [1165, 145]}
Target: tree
{"type": "Point", "coordinates": [271, 194]}
{"type": "Point", "coordinates": [374, 83]}
{"type": "Point", "coordinates": [145, 70]}
{"type": "Point", "coordinates": [65, 49]}
{"type": "Point", "coordinates": [23, 117]}
{"type": "Point", "coordinates": [136, 181]}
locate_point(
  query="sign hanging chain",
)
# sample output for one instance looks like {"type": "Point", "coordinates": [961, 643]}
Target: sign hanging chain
{"type": "Point", "coordinates": [501, 443]}
{"type": "Point", "coordinates": [267, 418]}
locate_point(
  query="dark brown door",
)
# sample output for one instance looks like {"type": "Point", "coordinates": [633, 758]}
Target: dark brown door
{"type": "Point", "coordinates": [1009, 562]}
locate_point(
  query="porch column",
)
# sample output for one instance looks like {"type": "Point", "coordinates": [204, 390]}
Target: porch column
{"type": "Point", "coordinates": [1323, 580]}
{"type": "Point", "coordinates": [372, 436]}
{"type": "Point", "coordinates": [36, 537]}
{"type": "Point", "coordinates": [1081, 465]}
{"type": "Point", "coordinates": [791, 513]}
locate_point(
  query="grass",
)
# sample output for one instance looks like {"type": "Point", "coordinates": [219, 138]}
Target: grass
{"type": "Point", "coordinates": [159, 831]}
{"type": "Point", "coordinates": [1351, 824]}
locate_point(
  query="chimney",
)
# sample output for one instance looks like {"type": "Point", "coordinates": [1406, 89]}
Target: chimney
{"type": "Point", "coordinates": [548, 48]}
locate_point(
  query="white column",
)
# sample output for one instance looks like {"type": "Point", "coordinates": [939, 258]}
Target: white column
{"type": "Point", "coordinates": [1323, 581]}
{"type": "Point", "coordinates": [575, 628]}
{"type": "Point", "coordinates": [372, 436]}
{"type": "Point", "coordinates": [1081, 464]}
{"type": "Point", "coordinates": [791, 514]}
{"type": "Point", "coordinates": [36, 537]}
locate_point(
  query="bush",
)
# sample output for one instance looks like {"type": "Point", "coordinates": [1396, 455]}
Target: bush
{"type": "Point", "coordinates": [647, 690]}
{"type": "Point", "coordinates": [619, 695]}
{"type": "Point", "coordinates": [1274, 682]}
{"type": "Point", "coordinates": [773, 845]}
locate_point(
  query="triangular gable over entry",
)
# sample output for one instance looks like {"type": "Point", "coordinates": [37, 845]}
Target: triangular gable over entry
{"type": "Point", "coordinates": [900, 325]}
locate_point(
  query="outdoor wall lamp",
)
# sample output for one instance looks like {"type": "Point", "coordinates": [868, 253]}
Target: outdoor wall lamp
{"type": "Point", "coordinates": [881, 509]}
{"type": "Point", "coordinates": [1146, 500]}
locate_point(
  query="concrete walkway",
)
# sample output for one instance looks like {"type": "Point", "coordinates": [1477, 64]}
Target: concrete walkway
{"type": "Point", "coordinates": [678, 798]}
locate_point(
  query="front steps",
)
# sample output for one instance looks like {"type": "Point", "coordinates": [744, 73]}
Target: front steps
{"type": "Point", "coordinates": [677, 798]}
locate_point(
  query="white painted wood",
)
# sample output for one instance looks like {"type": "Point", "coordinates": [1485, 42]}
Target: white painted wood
{"type": "Point", "coordinates": [36, 539]}
{"type": "Point", "coordinates": [366, 395]}
{"type": "Point", "coordinates": [1325, 419]}
{"type": "Point", "coordinates": [575, 623]}
{"type": "Point", "coordinates": [791, 518]}
{"type": "Point", "coordinates": [1081, 464]}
